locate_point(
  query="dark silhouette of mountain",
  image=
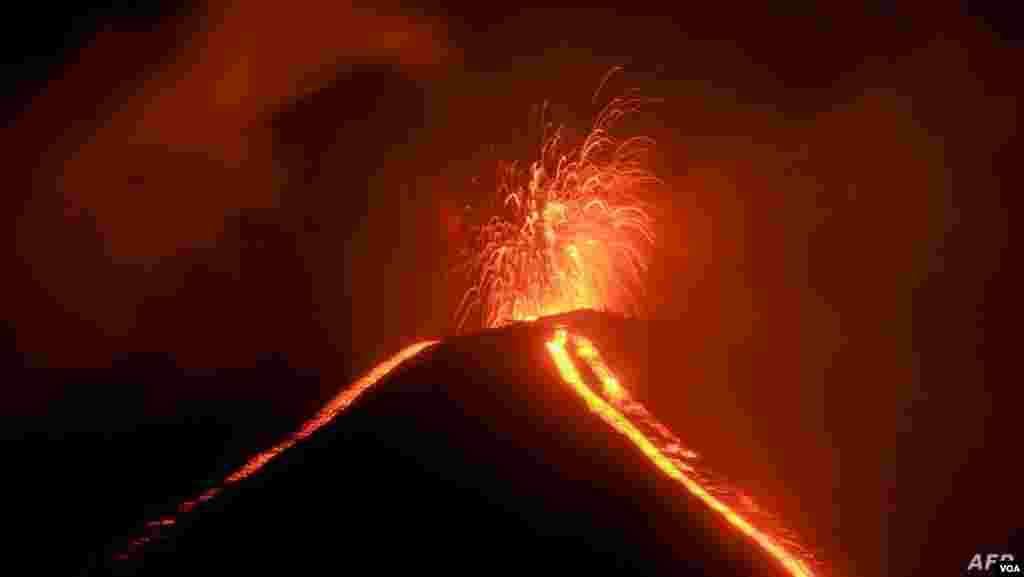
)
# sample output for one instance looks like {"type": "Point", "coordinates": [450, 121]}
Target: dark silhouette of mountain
{"type": "Point", "coordinates": [473, 456]}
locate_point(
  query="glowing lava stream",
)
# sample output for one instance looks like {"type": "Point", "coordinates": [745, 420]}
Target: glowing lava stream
{"type": "Point", "coordinates": [335, 406]}
{"type": "Point", "coordinates": [674, 468]}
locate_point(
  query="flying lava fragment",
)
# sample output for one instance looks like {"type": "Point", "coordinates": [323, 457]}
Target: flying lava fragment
{"type": "Point", "coordinates": [573, 231]}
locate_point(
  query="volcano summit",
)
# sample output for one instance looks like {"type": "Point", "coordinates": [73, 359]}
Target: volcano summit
{"type": "Point", "coordinates": [514, 448]}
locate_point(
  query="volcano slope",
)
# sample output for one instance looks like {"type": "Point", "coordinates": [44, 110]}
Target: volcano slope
{"type": "Point", "coordinates": [473, 456]}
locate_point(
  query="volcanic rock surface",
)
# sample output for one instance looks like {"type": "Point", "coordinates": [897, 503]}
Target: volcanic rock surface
{"type": "Point", "coordinates": [473, 457]}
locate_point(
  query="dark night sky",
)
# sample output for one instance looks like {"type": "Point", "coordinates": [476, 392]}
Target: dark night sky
{"type": "Point", "coordinates": [835, 229]}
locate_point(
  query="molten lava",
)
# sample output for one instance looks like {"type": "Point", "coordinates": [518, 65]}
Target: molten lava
{"type": "Point", "coordinates": [325, 415]}
{"type": "Point", "coordinates": [664, 455]}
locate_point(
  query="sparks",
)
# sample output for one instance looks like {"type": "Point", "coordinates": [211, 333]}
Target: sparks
{"type": "Point", "coordinates": [573, 232]}
{"type": "Point", "coordinates": [660, 447]}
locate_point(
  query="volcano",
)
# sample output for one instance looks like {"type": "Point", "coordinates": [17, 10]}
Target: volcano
{"type": "Point", "coordinates": [492, 451]}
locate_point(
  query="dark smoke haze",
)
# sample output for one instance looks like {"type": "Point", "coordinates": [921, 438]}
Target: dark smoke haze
{"type": "Point", "coordinates": [219, 183]}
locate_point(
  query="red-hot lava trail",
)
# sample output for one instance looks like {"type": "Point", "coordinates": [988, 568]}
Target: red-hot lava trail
{"type": "Point", "coordinates": [657, 443]}
{"type": "Point", "coordinates": [325, 415]}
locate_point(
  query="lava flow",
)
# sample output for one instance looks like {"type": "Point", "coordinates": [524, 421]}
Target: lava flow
{"type": "Point", "coordinates": [667, 455]}
{"type": "Point", "coordinates": [325, 415]}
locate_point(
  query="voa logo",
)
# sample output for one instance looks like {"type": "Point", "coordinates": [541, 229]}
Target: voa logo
{"type": "Point", "coordinates": [1003, 561]}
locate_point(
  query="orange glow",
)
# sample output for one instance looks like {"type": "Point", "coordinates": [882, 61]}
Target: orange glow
{"type": "Point", "coordinates": [335, 406]}
{"type": "Point", "coordinates": [194, 129]}
{"type": "Point", "coordinates": [672, 467]}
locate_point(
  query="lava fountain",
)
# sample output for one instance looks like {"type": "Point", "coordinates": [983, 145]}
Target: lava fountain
{"type": "Point", "coordinates": [572, 232]}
